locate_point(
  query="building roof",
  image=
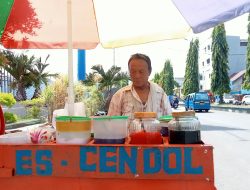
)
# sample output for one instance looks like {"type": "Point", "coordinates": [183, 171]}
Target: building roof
{"type": "Point", "coordinates": [237, 75]}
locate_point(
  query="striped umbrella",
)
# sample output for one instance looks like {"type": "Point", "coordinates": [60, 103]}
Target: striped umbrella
{"type": "Point", "coordinates": [83, 24]}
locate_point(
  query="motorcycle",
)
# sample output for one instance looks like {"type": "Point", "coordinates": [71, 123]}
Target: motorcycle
{"type": "Point", "coordinates": [175, 105]}
{"type": "Point", "coordinates": [174, 102]}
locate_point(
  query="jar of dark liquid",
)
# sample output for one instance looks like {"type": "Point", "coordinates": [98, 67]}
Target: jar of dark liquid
{"type": "Point", "coordinates": [184, 128]}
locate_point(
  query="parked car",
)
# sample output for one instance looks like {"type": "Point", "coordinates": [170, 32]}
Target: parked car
{"type": "Point", "coordinates": [236, 102]}
{"type": "Point", "coordinates": [228, 99]}
{"type": "Point", "coordinates": [246, 100]}
{"type": "Point", "coordinates": [100, 113]}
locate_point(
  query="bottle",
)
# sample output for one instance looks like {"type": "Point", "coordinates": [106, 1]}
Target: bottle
{"type": "Point", "coordinates": [184, 128]}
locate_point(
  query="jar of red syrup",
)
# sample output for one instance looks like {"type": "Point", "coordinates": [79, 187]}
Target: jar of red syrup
{"type": "Point", "coordinates": [145, 129]}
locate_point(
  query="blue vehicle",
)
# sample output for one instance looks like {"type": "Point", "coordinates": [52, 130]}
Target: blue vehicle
{"type": "Point", "coordinates": [174, 102]}
{"type": "Point", "coordinates": [197, 101]}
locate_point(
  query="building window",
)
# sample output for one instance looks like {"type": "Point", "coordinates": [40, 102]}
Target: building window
{"type": "Point", "coordinates": [243, 43]}
{"type": "Point", "coordinates": [202, 63]}
{"type": "Point", "coordinates": [201, 87]}
{"type": "Point", "coordinates": [208, 47]}
{"type": "Point", "coordinates": [208, 61]}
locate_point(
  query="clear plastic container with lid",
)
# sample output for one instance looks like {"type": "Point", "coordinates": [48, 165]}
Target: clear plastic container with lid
{"type": "Point", "coordinates": [184, 128]}
{"type": "Point", "coordinates": [145, 129]}
{"type": "Point", "coordinates": [110, 129]}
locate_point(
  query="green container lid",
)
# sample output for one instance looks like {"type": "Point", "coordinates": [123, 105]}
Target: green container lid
{"type": "Point", "coordinates": [166, 118]}
{"type": "Point", "coordinates": [72, 118]}
{"type": "Point", "coordinates": [110, 117]}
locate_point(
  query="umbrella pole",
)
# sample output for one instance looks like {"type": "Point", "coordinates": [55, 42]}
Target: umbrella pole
{"type": "Point", "coordinates": [70, 60]}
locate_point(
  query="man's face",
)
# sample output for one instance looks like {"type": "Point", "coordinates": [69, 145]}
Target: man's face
{"type": "Point", "coordinates": [139, 72]}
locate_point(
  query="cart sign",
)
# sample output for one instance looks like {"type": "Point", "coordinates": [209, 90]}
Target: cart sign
{"type": "Point", "coordinates": [115, 161]}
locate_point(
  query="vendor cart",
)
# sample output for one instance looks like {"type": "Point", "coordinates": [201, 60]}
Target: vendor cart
{"type": "Point", "coordinates": [96, 166]}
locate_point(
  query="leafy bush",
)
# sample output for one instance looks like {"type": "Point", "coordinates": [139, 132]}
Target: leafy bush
{"type": "Point", "coordinates": [93, 100]}
{"type": "Point", "coordinates": [34, 102]}
{"type": "Point", "coordinates": [54, 95]}
{"type": "Point", "coordinates": [10, 117]}
{"type": "Point", "coordinates": [7, 99]}
{"type": "Point", "coordinates": [34, 111]}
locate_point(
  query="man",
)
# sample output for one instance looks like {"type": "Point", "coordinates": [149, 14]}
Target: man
{"type": "Point", "coordinates": [141, 95]}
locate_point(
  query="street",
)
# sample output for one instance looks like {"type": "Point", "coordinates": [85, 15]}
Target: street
{"type": "Point", "coordinates": [17, 109]}
{"type": "Point", "coordinates": [229, 134]}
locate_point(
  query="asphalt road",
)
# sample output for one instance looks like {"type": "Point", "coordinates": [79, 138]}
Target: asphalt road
{"type": "Point", "coordinates": [21, 111]}
{"type": "Point", "coordinates": [229, 134]}
{"type": "Point", "coordinates": [17, 109]}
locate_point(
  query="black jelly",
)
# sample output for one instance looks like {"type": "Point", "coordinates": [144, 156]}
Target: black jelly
{"type": "Point", "coordinates": [109, 141]}
{"type": "Point", "coordinates": [184, 137]}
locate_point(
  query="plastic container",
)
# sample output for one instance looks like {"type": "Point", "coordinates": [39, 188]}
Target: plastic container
{"type": "Point", "coordinates": [164, 124]}
{"type": "Point", "coordinates": [110, 129]}
{"type": "Point", "coordinates": [184, 128]}
{"type": "Point", "coordinates": [79, 108]}
{"type": "Point", "coordinates": [57, 113]}
{"type": "Point", "coordinates": [145, 129]}
{"type": "Point", "coordinates": [72, 130]}
{"type": "Point", "coordinates": [15, 138]}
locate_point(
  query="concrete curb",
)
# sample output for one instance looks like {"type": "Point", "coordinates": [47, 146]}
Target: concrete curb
{"type": "Point", "coordinates": [22, 124]}
{"type": "Point", "coordinates": [231, 109]}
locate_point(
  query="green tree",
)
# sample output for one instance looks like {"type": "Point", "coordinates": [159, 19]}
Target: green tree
{"type": "Point", "coordinates": [19, 67]}
{"type": "Point", "coordinates": [91, 79]}
{"type": "Point", "coordinates": [2, 58]}
{"type": "Point", "coordinates": [105, 81]}
{"type": "Point", "coordinates": [93, 99]}
{"type": "Point", "coordinates": [54, 95]}
{"type": "Point", "coordinates": [246, 84]}
{"type": "Point", "coordinates": [176, 84]}
{"type": "Point", "coordinates": [158, 78]}
{"type": "Point", "coordinates": [112, 78]}
{"type": "Point", "coordinates": [220, 82]}
{"type": "Point", "coordinates": [191, 78]}
{"type": "Point", "coordinates": [39, 76]}
{"type": "Point", "coordinates": [168, 78]}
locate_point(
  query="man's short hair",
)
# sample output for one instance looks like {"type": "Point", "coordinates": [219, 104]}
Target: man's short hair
{"type": "Point", "coordinates": [143, 57]}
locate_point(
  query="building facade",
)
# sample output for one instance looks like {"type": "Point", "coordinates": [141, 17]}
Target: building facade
{"type": "Point", "coordinates": [236, 59]}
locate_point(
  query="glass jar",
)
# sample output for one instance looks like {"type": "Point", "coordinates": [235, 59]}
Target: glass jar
{"type": "Point", "coordinates": [164, 124]}
{"type": "Point", "coordinates": [145, 129]}
{"type": "Point", "coordinates": [184, 128]}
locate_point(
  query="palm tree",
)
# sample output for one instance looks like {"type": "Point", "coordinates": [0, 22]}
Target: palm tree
{"type": "Point", "coordinates": [91, 79]}
{"type": "Point", "coordinates": [39, 75]}
{"type": "Point", "coordinates": [113, 78]}
{"type": "Point", "coordinates": [2, 58]}
{"type": "Point", "coordinates": [18, 66]}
